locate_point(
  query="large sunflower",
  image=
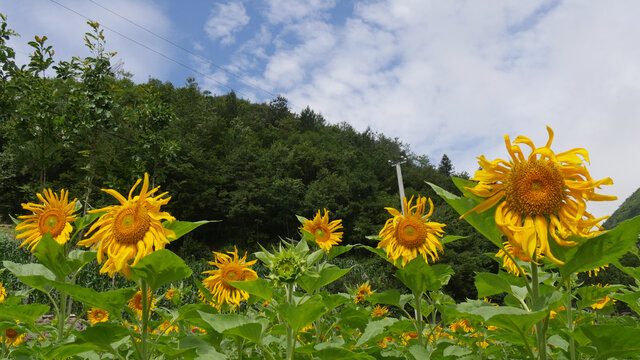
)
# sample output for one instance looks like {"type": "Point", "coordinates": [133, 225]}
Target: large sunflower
{"type": "Point", "coordinates": [135, 303]}
{"type": "Point", "coordinates": [544, 193]}
{"type": "Point", "coordinates": [323, 231]}
{"type": "Point", "coordinates": [130, 231]}
{"type": "Point", "coordinates": [229, 269]}
{"type": "Point", "coordinates": [52, 216]}
{"type": "Point", "coordinates": [406, 236]}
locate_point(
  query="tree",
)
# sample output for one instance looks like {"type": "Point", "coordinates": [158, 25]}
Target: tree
{"type": "Point", "coordinates": [445, 167]}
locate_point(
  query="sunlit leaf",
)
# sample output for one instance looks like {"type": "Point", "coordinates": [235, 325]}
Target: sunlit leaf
{"type": "Point", "coordinates": [613, 340]}
{"type": "Point", "coordinates": [299, 316]}
{"type": "Point", "coordinates": [159, 268]}
{"type": "Point", "coordinates": [419, 276]}
{"type": "Point", "coordinates": [326, 276]}
{"type": "Point", "coordinates": [35, 275]}
{"type": "Point", "coordinates": [483, 222]}
{"type": "Point", "coordinates": [181, 228]}
{"type": "Point", "coordinates": [259, 287]}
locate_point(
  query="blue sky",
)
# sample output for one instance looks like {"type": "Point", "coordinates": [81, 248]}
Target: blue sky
{"type": "Point", "coordinates": [442, 76]}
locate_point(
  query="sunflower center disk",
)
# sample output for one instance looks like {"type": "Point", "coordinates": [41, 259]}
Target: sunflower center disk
{"type": "Point", "coordinates": [131, 224]}
{"type": "Point", "coordinates": [410, 233]}
{"type": "Point", "coordinates": [52, 221]}
{"type": "Point", "coordinates": [535, 188]}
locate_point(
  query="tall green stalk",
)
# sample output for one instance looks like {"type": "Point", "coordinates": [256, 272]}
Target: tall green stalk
{"type": "Point", "coordinates": [290, 338]}
{"type": "Point", "coordinates": [540, 328]}
{"type": "Point", "coordinates": [568, 307]}
{"type": "Point", "coordinates": [419, 324]}
{"type": "Point", "coordinates": [144, 351]}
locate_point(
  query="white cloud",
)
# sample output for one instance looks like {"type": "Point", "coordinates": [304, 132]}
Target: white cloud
{"type": "Point", "coordinates": [65, 31]}
{"type": "Point", "coordinates": [454, 77]}
{"type": "Point", "coordinates": [287, 11]}
{"type": "Point", "coordinates": [225, 20]}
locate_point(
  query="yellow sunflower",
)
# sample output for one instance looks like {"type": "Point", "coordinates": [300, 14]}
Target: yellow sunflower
{"type": "Point", "coordinates": [595, 271]}
{"type": "Point", "coordinates": [406, 236]}
{"type": "Point", "coordinates": [135, 303]}
{"type": "Point", "coordinates": [544, 193]}
{"type": "Point", "coordinates": [508, 263]}
{"type": "Point", "coordinates": [323, 231]}
{"type": "Point", "coordinates": [3, 293]}
{"type": "Point", "coordinates": [130, 231]}
{"type": "Point", "coordinates": [12, 338]}
{"type": "Point", "coordinates": [53, 216]}
{"type": "Point", "coordinates": [97, 315]}
{"type": "Point", "coordinates": [461, 324]}
{"type": "Point", "coordinates": [229, 269]}
{"type": "Point", "coordinates": [379, 311]}
{"type": "Point", "coordinates": [601, 303]}
{"type": "Point", "coordinates": [171, 293]}
{"type": "Point", "coordinates": [363, 290]}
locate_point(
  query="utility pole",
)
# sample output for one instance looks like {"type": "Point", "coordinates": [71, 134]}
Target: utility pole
{"type": "Point", "coordinates": [400, 183]}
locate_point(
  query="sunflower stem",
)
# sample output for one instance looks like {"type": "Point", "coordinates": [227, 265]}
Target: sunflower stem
{"type": "Point", "coordinates": [568, 306]}
{"type": "Point", "coordinates": [540, 330]}
{"type": "Point", "coordinates": [290, 336]}
{"type": "Point", "coordinates": [145, 319]}
{"type": "Point", "coordinates": [418, 298]}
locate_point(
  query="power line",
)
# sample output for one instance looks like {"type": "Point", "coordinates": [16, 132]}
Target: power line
{"type": "Point", "coordinates": [240, 78]}
{"type": "Point", "coordinates": [152, 50]}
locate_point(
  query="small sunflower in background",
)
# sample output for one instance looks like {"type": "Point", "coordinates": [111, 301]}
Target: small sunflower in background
{"type": "Point", "coordinates": [537, 195]}
{"type": "Point", "coordinates": [379, 311]}
{"type": "Point", "coordinates": [97, 315]}
{"type": "Point", "coordinates": [323, 231]}
{"type": "Point", "coordinates": [363, 291]}
{"type": "Point", "coordinates": [3, 293]}
{"type": "Point", "coordinates": [229, 269]}
{"type": "Point", "coordinates": [135, 303]}
{"type": "Point", "coordinates": [53, 216]}
{"type": "Point", "coordinates": [411, 234]}
{"type": "Point", "coordinates": [128, 232]}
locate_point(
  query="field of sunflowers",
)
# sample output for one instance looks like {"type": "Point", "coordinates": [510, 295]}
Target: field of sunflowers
{"type": "Point", "coordinates": [532, 206]}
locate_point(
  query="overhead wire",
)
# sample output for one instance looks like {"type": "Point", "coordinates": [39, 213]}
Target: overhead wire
{"type": "Point", "coordinates": [240, 78]}
{"type": "Point", "coordinates": [153, 50]}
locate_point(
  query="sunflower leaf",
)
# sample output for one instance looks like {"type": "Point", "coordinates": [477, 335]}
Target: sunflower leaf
{"type": "Point", "coordinates": [484, 222]}
{"type": "Point", "coordinates": [301, 315]}
{"type": "Point", "coordinates": [51, 255]}
{"type": "Point", "coordinates": [35, 275]}
{"type": "Point", "coordinates": [181, 228]}
{"type": "Point", "coordinates": [325, 276]}
{"type": "Point", "coordinates": [159, 268]}
{"type": "Point", "coordinates": [613, 340]}
{"type": "Point", "coordinates": [25, 313]}
{"type": "Point", "coordinates": [374, 330]}
{"type": "Point", "coordinates": [600, 250]}
{"type": "Point", "coordinates": [419, 276]}
{"type": "Point", "coordinates": [111, 301]}
{"type": "Point", "coordinates": [259, 287]}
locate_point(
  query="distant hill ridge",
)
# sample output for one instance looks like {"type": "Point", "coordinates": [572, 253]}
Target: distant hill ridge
{"type": "Point", "coordinates": [629, 208]}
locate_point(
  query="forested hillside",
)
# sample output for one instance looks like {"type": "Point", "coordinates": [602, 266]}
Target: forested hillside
{"type": "Point", "coordinates": [629, 208]}
{"type": "Point", "coordinates": [78, 125]}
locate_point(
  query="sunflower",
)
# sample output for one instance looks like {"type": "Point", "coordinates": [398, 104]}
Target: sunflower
{"type": "Point", "coordinates": [363, 290]}
{"type": "Point", "coordinates": [379, 311]}
{"type": "Point", "coordinates": [130, 231]}
{"type": "Point", "coordinates": [507, 261]}
{"type": "Point", "coordinates": [542, 194]}
{"type": "Point", "coordinates": [595, 271]}
{"type": "Point", "coordinates": [3, 293]}
{"type": "Point", "coordinates": [323, 231]}
{"type": "Point", "coordinates": [166, 327]}
{"type": "Point", "coordinates": [53, 216]}
{"type": "Point", "coordinates": [135, 303]}
{"type": "Point", "coordinates": [461, 324]}
{"type": "Point", "coordinates": [406, 236]}
{"type": "Point", "coordinates": [229, 269]}
{"type": "Point", "coordinates": [171, 293]}
{"type": "Point", "coordinates": [602, 302]}
{"type": "Point", "coordinates": [12, 338]}
{"type": "Point", "coordinates": [97, 315]}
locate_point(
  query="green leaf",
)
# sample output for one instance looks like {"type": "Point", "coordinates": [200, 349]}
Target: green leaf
{"type": "Point", "coordinates": [632, 299]}
{"type": "Point", "coordinates": [483, 222]}
{"type": "Point", "coordinates": [238, 325]}
{"type": "Point", "coordinates": [84, 221]}
{"type": "Point", "coordinates": [419, 276]}
{"type": "Point", "coordinates": [613, 340]}
{"type": "Point", "coordinates": [103, 335]}
{"type": "Point", "coordinates": [602, 249]}
{"type": "Point", "coordinates": [491, 284]}
{"type": "Point", "coordinates": [336, 251]}
{"type": "Point", "coordinates": [259, 287]}
{"type": "Point", "coordinates": [377, 251]}
{"type": "Point", "coordinates": [340, 353]}
{"type": "Point", "coordinates": [112, 301]}
{"type": "Point", "coordinates": [299, 316]}
{"type": "Point", "coordinates": [455, 350]}
{"type": "Point", "coordinates": [389, 297]}
{"type": "Point", "coordinates": [511, 318]}
{"type": "Point", "coordinates": [27, 314]}
{"type": "Point", "coordinates": [51, 255]}
{"type": "Point", "coordinates": [419, 352]}
{"type": "Point", "coordinates": [181, 228]}
{"type": "Point", "coordinates": [35, 275]}
{"type": "Point", "coordinates": [326, 276]}
{"type": "Point", "coordinates": [68, 350]}
{"type": "Point", "coordinates": [333, 301]}
{"type": "Point", "coordinates": [159, 268]}
{"type": "Point", "coordinates": [374, 329]}
{"type": "Point", "coordinates": [204, 350]}
{"type": "Point", "coordinates": [451, 238]}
